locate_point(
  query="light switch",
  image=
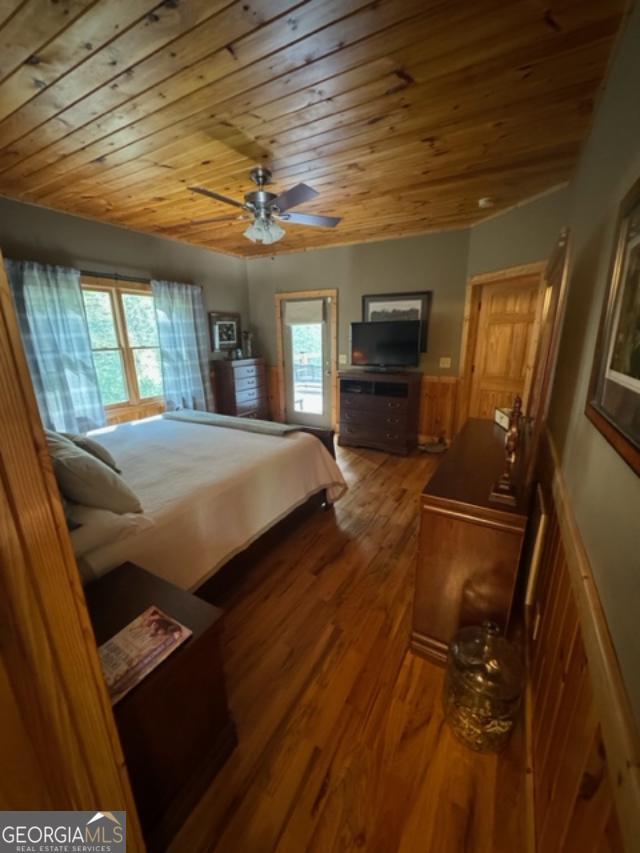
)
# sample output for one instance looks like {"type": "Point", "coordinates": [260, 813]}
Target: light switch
{"type": "Point", "coordinates": [342, 358]}
{"type": "Point", "coordinates": [445, 362]}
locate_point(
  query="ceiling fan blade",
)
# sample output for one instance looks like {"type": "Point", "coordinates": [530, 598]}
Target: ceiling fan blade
{"type": "Point", "coordinates": [217, 196]}
{"type": "Point", "coordinates": [232, 217]}
{"type": "Point", "coordinates": [191, 224]}
{"type": "Point", "coordinates": [310, 219]}
{"type": "Point", "coordinates": [295, 196]}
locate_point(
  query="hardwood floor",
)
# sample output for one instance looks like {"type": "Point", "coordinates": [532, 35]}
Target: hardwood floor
{"type": "Point", "coordinates": [342, 743]}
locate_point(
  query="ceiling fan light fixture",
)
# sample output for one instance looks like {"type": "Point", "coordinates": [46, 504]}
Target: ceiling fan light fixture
{"type": "Point", "coordinates": [265, 231]}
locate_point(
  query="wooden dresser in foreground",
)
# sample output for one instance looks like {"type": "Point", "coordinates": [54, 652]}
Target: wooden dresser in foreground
{"type": "Point", "coordinates": [469, 547]}
{"type": "Point", "coordinates": [240, 387]}
{"type": "Point", "coordinates": [379, 410]}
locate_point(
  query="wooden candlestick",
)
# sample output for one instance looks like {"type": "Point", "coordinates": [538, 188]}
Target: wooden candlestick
{"type": "Point", "coordinates": [503, 490]}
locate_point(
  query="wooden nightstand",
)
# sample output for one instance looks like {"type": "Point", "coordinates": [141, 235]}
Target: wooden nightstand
{"type": "Point", "coordinates": [174, 726]}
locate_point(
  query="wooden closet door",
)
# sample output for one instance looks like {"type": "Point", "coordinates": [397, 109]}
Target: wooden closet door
{"type": "Point", "coordinates": [55, 706]}
{"type": "Point", "coordinates": [505, 345]}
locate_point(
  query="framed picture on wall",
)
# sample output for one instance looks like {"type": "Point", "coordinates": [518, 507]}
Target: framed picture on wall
{"type": "Point", "coordinates": [378, 307]}
{"type": "Point", "coordinates": [224, 330]}
{"type": "Point", "coordinates": [613, 404]}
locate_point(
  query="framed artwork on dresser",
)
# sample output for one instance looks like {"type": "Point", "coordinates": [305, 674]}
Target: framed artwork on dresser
{"type": "Point", "coordinates": [224, 330]}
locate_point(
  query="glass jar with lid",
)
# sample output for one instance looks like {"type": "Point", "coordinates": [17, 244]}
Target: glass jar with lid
{"type": "Point", "coordinates": [483, 686]}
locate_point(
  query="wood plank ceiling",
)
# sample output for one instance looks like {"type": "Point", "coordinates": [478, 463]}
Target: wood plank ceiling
{"type": "Point", "coordinates": [401, 113]}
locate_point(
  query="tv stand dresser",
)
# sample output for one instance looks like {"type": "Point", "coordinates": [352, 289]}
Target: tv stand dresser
{"type": "Point", "coordinates": [379, 410]}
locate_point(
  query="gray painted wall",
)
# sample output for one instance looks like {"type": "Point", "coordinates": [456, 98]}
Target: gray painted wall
{"type": "Point", "coordinates": [521, 236]}
{"type": "Point", "coordinates": [440, 262]}
{"type": "Point", "coordinates": [436, 262]}
{"type": "Point", "coordinates": [604, 491]}
{"type": "Point", "coordinates": [32, 233]}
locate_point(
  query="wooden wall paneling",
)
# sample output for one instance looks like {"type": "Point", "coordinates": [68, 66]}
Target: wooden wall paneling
{"type": "Point", "coordinates": [48, 650]}
{"type": "Point", "coordinates": [274, 392]}
{"type": "Point", "coordinates": [437, 416]}
{"type": "Point", "coordinates": [569, 763]}
{"type": "Point", "coordinates": [594, 808]}
{"type": "Point", "coordinates": [583, 745]}
{"type": "Point", "coordinates": [616, 718]}
{"type": "Point", "coordinates": [311, 88]}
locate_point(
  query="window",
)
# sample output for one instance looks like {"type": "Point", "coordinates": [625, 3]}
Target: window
{"type": "Point", "coordinates": [124, 340]}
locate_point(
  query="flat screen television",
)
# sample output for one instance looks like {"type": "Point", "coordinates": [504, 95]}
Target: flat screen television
{"type": "Point", "coordinates": [387, 343]}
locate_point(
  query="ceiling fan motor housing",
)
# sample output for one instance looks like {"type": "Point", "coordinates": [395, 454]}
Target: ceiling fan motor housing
{"type": "Point", "coordinates": [261, 201]}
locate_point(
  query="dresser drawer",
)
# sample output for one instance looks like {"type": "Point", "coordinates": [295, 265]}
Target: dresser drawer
{"type": "Point", "coordinates": [374, 433]}
{"type": "Point", "coordinates": [388, 420]}
{"type": "Point", "coordinates": [258, 392]}
{"type": "Point", "coordinates": [253, 409]}
{"type": "Point", "coordinates": [247, 371]}
{"type": "Point", "coordinates": [371, 403]}
{"type": "Point", "coordinates": [249, 382]}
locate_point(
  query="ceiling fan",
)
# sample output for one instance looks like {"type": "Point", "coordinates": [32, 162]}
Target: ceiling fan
{"type": "Point", "coordinates": [267, 208]}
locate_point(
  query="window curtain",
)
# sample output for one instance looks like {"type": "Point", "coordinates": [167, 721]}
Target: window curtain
{"type": "Point", "coordinates": [184, 346]}
{"type": "Point", "coordinates": [55, 335]}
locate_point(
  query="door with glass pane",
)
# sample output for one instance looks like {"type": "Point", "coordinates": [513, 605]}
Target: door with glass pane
{"type": "Point", "coordinates": [307, 336]}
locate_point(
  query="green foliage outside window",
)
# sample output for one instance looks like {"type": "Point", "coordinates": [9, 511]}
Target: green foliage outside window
{"type": "Point", "coordinates": [142, 334]}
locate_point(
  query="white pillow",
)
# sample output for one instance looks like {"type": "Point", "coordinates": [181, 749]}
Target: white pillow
{"type": "Point", "coordinates": [94, 448]}
{"type": "Point", "coordinates": [98, 527]}
{"type": "Point", "coordinates": [86, 480]}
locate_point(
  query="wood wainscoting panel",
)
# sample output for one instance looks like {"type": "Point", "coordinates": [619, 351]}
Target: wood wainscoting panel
{"type": "Point", "coordinates": [274, 392]}
{"type": "Point", "coordinates": [437, 417]}
{"type": "Point", "coordinates": [583, 746]}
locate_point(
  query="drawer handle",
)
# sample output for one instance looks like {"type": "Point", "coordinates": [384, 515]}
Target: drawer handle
{"type": "Point", "coordinates": [389, 435]}
{"type": "Point", "coordinates": [393, 405]}
{"type": "Point", "coordinates": [393, 420]}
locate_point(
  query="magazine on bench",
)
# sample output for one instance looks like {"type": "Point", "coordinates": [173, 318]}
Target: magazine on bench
{"type": "Point", "coordinates": [138, 648]}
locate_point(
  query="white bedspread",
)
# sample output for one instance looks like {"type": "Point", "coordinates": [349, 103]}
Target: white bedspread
{"type": "Point", "coordinates": [208, 493]}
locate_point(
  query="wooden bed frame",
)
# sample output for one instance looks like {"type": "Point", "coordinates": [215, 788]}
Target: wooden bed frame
{"type": "Point", "coordinates": [326, 436]}
{"type": "Point", "coordinates": [221, 585]}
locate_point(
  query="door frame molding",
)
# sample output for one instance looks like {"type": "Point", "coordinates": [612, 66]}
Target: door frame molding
{"type": "Point", "coordinates": [280, 396]}
{"type": "Point", "coordinates": [49, 659]}
{"type": "Point", "coordinates": [470, 324]}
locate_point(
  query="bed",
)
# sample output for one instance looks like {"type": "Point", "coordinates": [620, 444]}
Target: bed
{"type": "Point", "coordinates": [207, 493]}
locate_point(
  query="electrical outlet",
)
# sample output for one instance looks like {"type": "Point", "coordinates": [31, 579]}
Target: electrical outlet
{"type": "Point", "coordinates": [342, 359]}
{"type": "Point", "coordinates": [445, 362]}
